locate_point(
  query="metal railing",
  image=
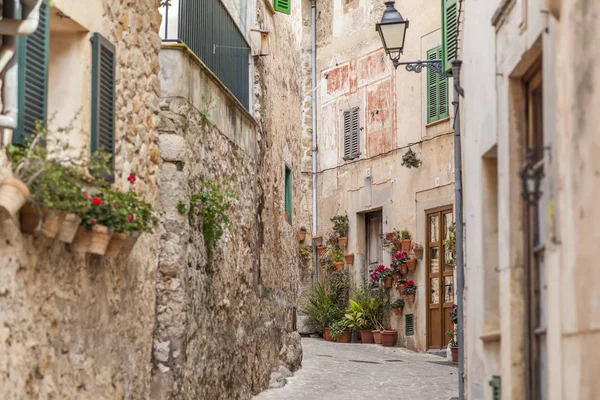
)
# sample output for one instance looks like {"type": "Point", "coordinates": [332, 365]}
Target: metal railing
{"type": "Point", "coordinates": [208, 29]}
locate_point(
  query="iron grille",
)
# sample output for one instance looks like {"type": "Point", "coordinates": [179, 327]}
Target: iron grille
{"type": "Point", "coordinates": [210, 32]}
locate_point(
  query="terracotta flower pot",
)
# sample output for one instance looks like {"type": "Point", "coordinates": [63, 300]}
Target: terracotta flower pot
{"type": "Point", "coordinates": [339, 265]}
{"type": "Point", "coordinates": [400, 289]}
{"type": "Point", "coordinates": [115, 245]}
{"type": "Point", "coordinates": [82, 240]}
{"type": "Point", "coordinates": [418, 253]}
{"type": "Point", "coordinates": [326, 335]}
{"type": "Point", "coordinates": [345, 338]}
{"type": "Point", "coordinates": [318, 240]}
{"type": "Point", "coordinates": [34, 219]}
{"type": "Point", "coordinates": [343, 242]}
{"type": "Point", "coordinates": [301, 235]}
{"type": "Point", "coordinates": [349, 259]}
{"type": "Point", "coordinates": [377, 337]}
{"type": "Point", "coordinates": [130, 243]}
{"type": "Point", "coordinates": [412, 264]}
{"type": "Point", "coordinates": [68, 228]}
{"type": "Point", "coordinates": [403, 269]}
{"type": "Point", "coordinates": [410, 297]}
{"type": "Point", "coordinates": [406, 245]}
{"type": "Point", "coordinates": [398, 311]}
{"type": "Point", "coordinates": [388, 282]}
{"type": "Point", "coordinates": [366, 336]}
{"type": "Point", "coordinates": [333, 241]}
{"type": "Point", "coordinates": [321, 249]}
{"type": "Point", "coordinates": [389, 236]}
{"type": "Point", "coordinates": [100, 240]}
{"type": "Point", "coordinates": [13, 195]}
{"type": "Point", "coordinates": [454, 351]}
{"type": "Point", "coordinates": [388, 338]}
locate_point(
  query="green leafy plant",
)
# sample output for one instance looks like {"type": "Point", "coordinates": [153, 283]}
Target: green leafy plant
{"type": "Point", "coordinates": [405, 234]}
{"type": "Point", "coordinates": [337, 328]}
{"type": "Point", "coordinates": [453, 340]}
{"type": "Point", "coordinates": [212, 203]}
{"type": "Point", "coordinates": [411, 160]}
{"type": "Point", "coordinates": [340, 225]}
{"type": "Point", "coordinates": [337, 254]}
{"type": "Point", "coordinates": [355, 316]}
{"type": "Point", "coordinates": [305, 253]}
{"type": "Point", "coordinates": [398, 303]}
{"type": "Point", "coordinates": [339, 284]}
{"type": "Point", "coordinates": [320, 307]}
{"type": "Point", "coordinates": [303, 229]}
{"type": "Point", "coordinates": [375, 304]}
{"type": "Point", "coordinates": [135, 214]}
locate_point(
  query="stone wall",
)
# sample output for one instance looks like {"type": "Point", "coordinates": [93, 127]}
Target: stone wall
{"type": "Point", "coordinates": [80, 326]}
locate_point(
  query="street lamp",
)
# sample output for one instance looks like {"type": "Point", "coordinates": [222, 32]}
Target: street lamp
{"type": "Point", "coordinates": [531, 177]}
{"type": "Point", "coordinates": [392, 30]}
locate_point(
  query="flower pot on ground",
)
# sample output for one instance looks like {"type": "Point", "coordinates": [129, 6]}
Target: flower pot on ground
{"type": "Point", "coordinates": [454, 351]}
{"type": "Point", "coordinates": [367, 336]}
{"type": "Point", "coordinates": [453, 345]}
{"type": "Point", "coordinates": [343, 242]}
{"type": "Point", "coordinates": [412, 264]}
{"type": "Point", "coordinates": [377, 337]}
{"type": "Point", "coordinates": [389, 337]}
{"type": "Point", "coordinates": [326, 335]}
{"type": "Point", "coordinates": [68, 228]}
{"type": "Point", "coordinates": [339, 332]}
{"type": "Point", "coordinates": [100, 239]}
{"type": "Point", "coordinates": [388, 282]}
{"type": "Point", "coordinates": [115, 245]}
{"type": "Point", "coordinates": [339, 265]}
{"type": "Point", "coordinates": [349, 258]}
{"type": "Point", "coordinates": [14, 193]}
{"type": "Point", "coordinates": [344, 337]}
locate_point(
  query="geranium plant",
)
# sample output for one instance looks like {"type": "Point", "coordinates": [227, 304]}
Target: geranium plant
{"type": "Point", "coordinates": [399, 258]}
{"type": "Point", "coordinates": [398, 303]}
{"type": "Point", "coordinates": [410, 288]}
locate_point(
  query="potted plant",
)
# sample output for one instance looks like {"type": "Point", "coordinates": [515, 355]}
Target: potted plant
{"type": "Point", "coordinates": [389, 337]}
{"type": "Point", "coordinates": [417, 250]}
{"type": "Point", "coordinates": [389, 236]}
{"type": "Point", "coordinates": [399, 261]}
{"type": "Point", "coordinates": [327, 335]}
{"type": "Point", "coordinates": [302, 233]}
{"type": "Point", "coordinates": [337, 256]}
{"type": "Point", "coordinates": [450, 247]}
{"type": "Point", "coordinates": [332, 239]}
{"type": "Point", "coordinates": [387, 276]}
{"type": "Point", "coordinates": [453, 345]}
{"type": "Point", "coordinates": [339, 331]}
{"type": "Point", "coordinates": [321, 249]}
{"type": "Point", "coordinates": [409, 291]}
{"type": "Point", "coordinates": [398, 306]}
{"type": "Point", "coordinates": [405, 237]}
{"type": "Point", "coordinates": [349, 258]}
{"type": "Point", "coordinates": [318, 240]}
{"type": "Point", "coordinates": [411, 263]}
{"type": "Point", "coordinates": [340, 227]}
{"type": "Point", "coordinates": [377, 336]}
{"type": "Point", "coordinates": [400, 286]}
{"type": "Point", "coordinates": [356, 318]}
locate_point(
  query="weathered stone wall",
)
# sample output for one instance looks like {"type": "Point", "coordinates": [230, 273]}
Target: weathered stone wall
{"type": "Point", "coordinates": [80, 326]}
{"type": "Point", "coordinates": [222, 324]}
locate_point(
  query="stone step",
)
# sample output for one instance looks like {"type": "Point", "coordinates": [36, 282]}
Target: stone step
{"type": "Point", "coordinates": [435, 352]}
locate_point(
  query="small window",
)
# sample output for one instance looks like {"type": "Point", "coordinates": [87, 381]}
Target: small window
{"type": "Point", "coordinates": [103, 96]}
{"type": "Point", "coordinates": [283, 6]}
{"type": "Point", "coordinates": [437, 90]}
{"type": "Point", "coordinates": [33, 78]}
{"type": "Point", "coordinates": [288, 194]}
{"type": "Point", "coordinates": [351, 133]}
{"type": "Point", "coordinates": [409, 326]}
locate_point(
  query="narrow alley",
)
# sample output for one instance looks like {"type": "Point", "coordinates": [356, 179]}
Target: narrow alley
{"type": "Point", "coordinates": [357, 371]}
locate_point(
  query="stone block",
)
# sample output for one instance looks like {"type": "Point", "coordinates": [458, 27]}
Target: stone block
{"type": "Point", "coordinates": [172, 147]}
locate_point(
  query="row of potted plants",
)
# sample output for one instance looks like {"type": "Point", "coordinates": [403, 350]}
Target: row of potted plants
{"type": "Point", "coordinates": [54, 198]}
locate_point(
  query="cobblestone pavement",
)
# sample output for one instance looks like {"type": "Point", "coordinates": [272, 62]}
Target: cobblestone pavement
{"type": "Point", "coordinates": [332, 371]}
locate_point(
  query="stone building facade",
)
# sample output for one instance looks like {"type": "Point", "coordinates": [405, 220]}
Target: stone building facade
{"type": "Point", "coordinates": [531, 301]}
{"type": "Point", "coordinates": [372, 187]}
{"type": "Point", "coordinates": [75, 325]}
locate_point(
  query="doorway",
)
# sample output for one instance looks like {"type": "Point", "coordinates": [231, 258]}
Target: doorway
{"type": "Point", "coordinates": [440, 276]}
{"type": "Point", "coordinates": [374, 229]}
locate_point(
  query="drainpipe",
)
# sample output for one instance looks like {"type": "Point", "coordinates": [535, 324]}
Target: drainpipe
{"type": "Point", "coordinates": [313, 62]}
{"type": "Point", "coordinates": [460, 272]}
{"type": "Point", "coordinates": [10, 28]}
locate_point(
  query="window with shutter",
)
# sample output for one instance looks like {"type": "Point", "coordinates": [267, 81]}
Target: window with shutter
{"type": "Point", "coordinates": [103, 96]}
{"type": "Point", "coordinates": [288, 194]}
{"type": "Point", "coordinates": [284, 6]}
{"type": "Point", "coordinates": [437, 90]}
{"type": "Point", "coordinates": [33, 78]}
{"type": "Point", "coordinates": [351, 133]}
{"type": "Point", "coordinates": [449, 32]}
{"type": "Point", "coordinates": [409, 326]}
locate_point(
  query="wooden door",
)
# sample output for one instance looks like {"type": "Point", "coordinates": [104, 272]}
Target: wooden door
{"type": "Point", "coordinates": [374, 240]}
{"type": "Point", "coordinates": [440, 277]}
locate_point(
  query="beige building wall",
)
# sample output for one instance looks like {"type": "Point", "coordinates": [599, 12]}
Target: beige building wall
{"type": "Point", "coordinates": [498, 57]}
{"type": "Point", "coordinates": [353, 71]}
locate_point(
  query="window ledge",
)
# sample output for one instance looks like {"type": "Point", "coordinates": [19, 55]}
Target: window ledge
{"type": "Point", "coordinates": [438, 122]}
{"type": "Point", "coordinates": [491, 336]}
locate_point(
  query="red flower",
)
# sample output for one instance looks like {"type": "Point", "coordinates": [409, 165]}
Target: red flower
{"type": "Point", "coordinates": [410, 283]}
{"type": "Point", "coordinates": [130, 218]}
{"type": "Point", "coordinates": [131, 179]}
{"type": "Point", "coordinates": [93, 221]}
{"type": "Point", "coordinates": [97, 201]}
{"type": "Point", "coordinates": [400, 255]}
{"type": "Point", "coordinates": [87, 196]}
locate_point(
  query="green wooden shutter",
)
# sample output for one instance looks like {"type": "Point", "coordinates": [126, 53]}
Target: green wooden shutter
{"type": "Point", "coordinates": [288, 192]}
{"type": "Point", "coordinates": [103, 96]}
{"type": "Point", "coordinates": [437, 90]}
{"type": "Point", "coordinates": [449, 32]}
{"type": "Point", "coordinates": [409, 325]}
{"type": "Point", "coordinates": [496, 384]}
{"type": "Point", "coordinates": [284, 6]}
{"type": "Point", "coordinates": [33, 56]}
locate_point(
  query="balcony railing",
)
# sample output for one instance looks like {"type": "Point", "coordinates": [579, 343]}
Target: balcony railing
{"type": "Point", "coordinates": [208, 30]}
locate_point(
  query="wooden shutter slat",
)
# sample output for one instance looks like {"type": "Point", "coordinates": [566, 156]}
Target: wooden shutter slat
{"type": "Point", "coordinates": [351, 133]}
{"type": "Point", "coordinates": [283, 6]}
{"type": "Point", "coordinates": [449, 32]}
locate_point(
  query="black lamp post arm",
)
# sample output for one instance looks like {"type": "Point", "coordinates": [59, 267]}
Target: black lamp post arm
{"type": "Point", "coordinates": [417, 66]}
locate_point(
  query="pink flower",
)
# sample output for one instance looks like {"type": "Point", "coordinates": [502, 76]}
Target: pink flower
{"type": "Point", "coordinates": [97, 201]}
{"type": "Point", "coordinates": [131, 179]}
{"type": "Point", "coordinates": [86, 196]}
{"type": "Point", "coordinates": [130, 218]}
{"type": "Point", "coordinates": [93, 221]}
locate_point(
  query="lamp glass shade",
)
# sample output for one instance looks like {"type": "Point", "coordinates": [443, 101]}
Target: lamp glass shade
{"type": "Point", "coordinates": [392, 36]}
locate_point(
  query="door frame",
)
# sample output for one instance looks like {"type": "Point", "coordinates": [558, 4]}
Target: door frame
{"type": "Point", "coordinates": [442, 257]}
